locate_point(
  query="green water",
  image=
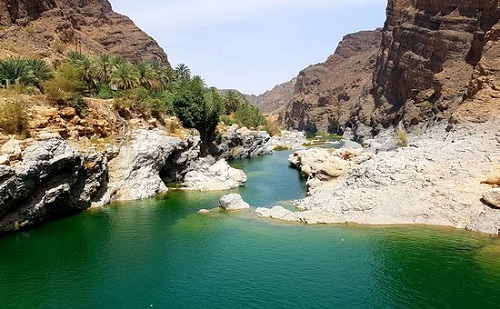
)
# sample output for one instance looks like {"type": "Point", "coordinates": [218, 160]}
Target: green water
{"type": "Point", "coordinates": [160, 253]}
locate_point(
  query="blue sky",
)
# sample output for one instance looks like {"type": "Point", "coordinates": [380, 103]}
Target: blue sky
{"type": "Point", "coordinates": [250, 45]}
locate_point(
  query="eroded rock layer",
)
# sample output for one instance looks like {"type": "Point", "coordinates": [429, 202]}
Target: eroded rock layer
{"type": "Point", "coordinates": [51, 28]}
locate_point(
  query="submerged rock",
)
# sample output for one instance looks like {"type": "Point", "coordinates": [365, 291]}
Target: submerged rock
{"type": "Point", "coordinates": [233, 201]}
{"type": "Point", "coordinates": [277, 212]}
{"type": "Point", "coordinates": [213, 176]}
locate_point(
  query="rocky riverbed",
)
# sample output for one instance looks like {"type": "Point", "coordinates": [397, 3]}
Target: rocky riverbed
{"type": "Point", "coordinates": [438, 179]}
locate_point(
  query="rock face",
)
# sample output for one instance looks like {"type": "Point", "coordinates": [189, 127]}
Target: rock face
{"type": "Point", "coordinates": [328, 95]}
{"type": "Point", "coordinates": [430, 50]}
{"type": "Point", "coordinates": [432, 60]}
{"type": "Point", "coordinates": [210, 176]}
{"type": "Point", "coordinates": [430, 182]}
{"type": "Point", "coordinates": [52, 180]}
{"type": "Point", "coordinates": [233, 202]}
{"type": "Point", "coordinates": [51, 28]}
{"type": "Point", "coordinates": [147, 157]}
{"type": "Point", "coordinates": [237, 143]}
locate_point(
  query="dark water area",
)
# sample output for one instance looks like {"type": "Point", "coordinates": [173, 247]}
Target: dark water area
{"type": "Point", "coordinates": [161, 253]}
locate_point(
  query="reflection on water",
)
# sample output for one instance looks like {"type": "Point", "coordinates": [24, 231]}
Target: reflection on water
{"type": "Point", "coordinates": [161, 252]}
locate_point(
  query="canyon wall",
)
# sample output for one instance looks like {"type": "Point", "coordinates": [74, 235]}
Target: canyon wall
{"type": "Point", "coordinates": [432, 61]}
{"type": "Point", "coordinates": [51, 28]}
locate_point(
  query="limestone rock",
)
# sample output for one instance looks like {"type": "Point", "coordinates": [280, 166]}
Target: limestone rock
{"type": "Point", "coordinates": [12, 148]}
{"type": "Point", "coordinates": [233, 202]}
{"type": "Point", "coordinates": [492, 197]}
{"type": "Point", "coordinates": [237, 143]}
{"type": "Point", "coordinates": [214, 177]}
{"type": "Point", "coordinates": [51, 181]}
{"type": "Point", "coordinates": [288, 139]}
{"type": "Point", "coordinates": [136, 172]}
{"type": "Point", "coordinates": [431, 182]}
{"type": "Point", "coordinates": [277, 212]}
{"type": "Point", "coordinates": [327, 164]}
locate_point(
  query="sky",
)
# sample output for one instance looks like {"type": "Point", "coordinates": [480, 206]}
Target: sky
{"type": "Point", "coordinates": [250, 45]}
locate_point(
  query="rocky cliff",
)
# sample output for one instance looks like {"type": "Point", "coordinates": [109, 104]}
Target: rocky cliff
{"type": "Point", "coordinates": [51, 28]}
{"type": "Point", "coordinates": [432, 60]}
{"type": "Point", "coordinates": [436, 56]}
{"type": "Point", "coordinates": [329, 94]}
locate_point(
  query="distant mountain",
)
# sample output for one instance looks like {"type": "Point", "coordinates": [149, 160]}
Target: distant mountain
{"type": "Point", "coordinates": [273, 102]}
{"type": "Point", "coordinates": [50, 28]}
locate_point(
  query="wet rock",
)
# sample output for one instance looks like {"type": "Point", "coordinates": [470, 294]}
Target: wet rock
{"type": "Point", "coordinates": [233, 202]}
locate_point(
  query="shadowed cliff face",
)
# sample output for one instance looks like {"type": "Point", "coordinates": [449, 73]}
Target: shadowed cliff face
{"type": "Point", "coordinates": [51, 28]}
{"type": "Point", "coordinates": [430, 50]}
{"type": "Point", "coordinates": [328, 95]}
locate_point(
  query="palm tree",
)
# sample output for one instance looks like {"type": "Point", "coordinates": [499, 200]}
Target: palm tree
{"type": "Point", "coordinates": [37, 72]}
{"type": "Point", "coordinates": [103, 68]}
{"type": "Point", "coordinates": [232, 101]}
{"type": "Point", "coordinates": [148, 77]}
{"type": "Point", "coordinates": [13, 69]}
{"type": "Point", "coordinates": [124, 76]}
{"type": "Point", "coordinates": [182, 71]}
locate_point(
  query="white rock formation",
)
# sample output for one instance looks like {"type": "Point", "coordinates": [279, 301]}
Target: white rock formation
{"type": "Point", "coordinates": [233, 201]}
{"type": "Point", "coordinates": [434, 181]}
{"type": "Point", "coordinates": [135, 172]}
{"type": "Point", "coordinates": [214, 177]}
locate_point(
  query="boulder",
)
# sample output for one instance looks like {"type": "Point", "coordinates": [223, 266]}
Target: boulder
{"type": "Point", "coordinates": [203, 211]}
{"type": "Point", "coordinates": [492, 197]}
{"type": "Point", "coordinates": [214, 177]}
{"type": "Point", "coordinates": [327, 164]}
{"type": "Point", "coordinates": [12, 148]}
{"type": "Point", "coordinates": [233, 201]}
{"type": "Point", "coordinates": [237, 143]}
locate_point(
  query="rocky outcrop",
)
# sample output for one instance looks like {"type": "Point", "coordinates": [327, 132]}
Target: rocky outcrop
{"type": "Point", "coordinates": [430, 182]}
{"type": "Point", "coordinates": [51, 28]}
{"type": "Point", "coordinates": [145, 161]}
{"type": "Point", "coordinates": [328, 95]}
{"type": "Point", "coordinates": [208, 175]}
{"type": "Point", "coordinates": [237, 143]}
{"type": "Point", "coordinates": [233, 201]}
{"type": "Point", "coordinates": [52, 180]}
{"type": "Point", "coordinates": [320, 164]}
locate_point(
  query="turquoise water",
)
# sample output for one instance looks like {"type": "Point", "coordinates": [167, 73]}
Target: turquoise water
{"type": "Point", "coordinates": [161, 253]}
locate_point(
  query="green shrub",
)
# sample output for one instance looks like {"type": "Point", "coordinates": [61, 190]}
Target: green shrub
{"type": "Point", "coordinates": [105, 92]}
{"type": "Point", "coordinates": [80, 106]}
{"type": "Point", "coordinates": [271, 128]}
{"type": "Point", "coordinates": [66, 84]}
{"type": "Point", "coordinates": [14, 117]}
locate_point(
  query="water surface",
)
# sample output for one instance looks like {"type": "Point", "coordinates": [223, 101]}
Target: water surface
{"type": "Point", "coordinates": [161, 253]}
